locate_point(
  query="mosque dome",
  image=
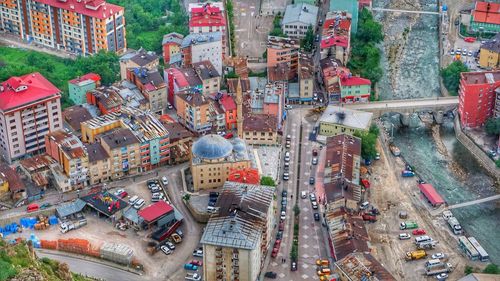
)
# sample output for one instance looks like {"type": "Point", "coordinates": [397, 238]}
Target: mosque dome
{"type": "Point", "coordinates": [212, 147]}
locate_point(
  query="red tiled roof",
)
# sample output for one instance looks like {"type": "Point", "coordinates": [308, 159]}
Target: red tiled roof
{"type": "Point", "coordinates": [354, 81]}
{"type": "Point", "coordinates": [179, 77]}
{"type": "Point", "coordinates": [37, 88]}
{"type": "Point", "coordinates": [155, 211]}
{"type": "Point", "coordinates": [341, 41]}
{"type": "Point", "coordinates": [228, 102]}
{"type": "Point", "coordinates": [207, 16]}
{"type": "Point", "coordinates": [431, 193]}
{"type": "Point", "coordinates": [93, 8]}
{"type": "Point", "coordinates": [487, 12]}
{"type": "Point", "coordinates": [88, 76]}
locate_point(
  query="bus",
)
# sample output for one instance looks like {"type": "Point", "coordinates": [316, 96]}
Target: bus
{"type": "Point", "coordinates": [483, 256]}
{"type": "Point", "coordinates": [468, 249]}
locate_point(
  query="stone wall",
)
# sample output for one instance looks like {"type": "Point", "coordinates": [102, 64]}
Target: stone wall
{"type": "Point", "coordinates": [477, 152]}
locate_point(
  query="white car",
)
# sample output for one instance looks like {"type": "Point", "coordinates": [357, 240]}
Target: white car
{"type": "Point", "coordinates": [118, 192]}
{"type": "Point", "coordinates": [170, 245]}
{"type": "Point", "coordinates": [283, 215]}
{"type": "Point", "coordinates": [452, 52]}
{"type": "Point", "coordinates": [404, 236]}
{"type": "Point", "coordinates": [165, 250]}
{"type": "Point", "coordinates": [170, 106]}
{"type": "Point", "coordinates": [314, 205]}
{"type": "Point", "coordinates": [438, 256]}
{"type": "Point", "coordinates": [164, 181]}
{"type": "Point", "coordinates": [442, 276]}
{"type": "Point", "coordinates": [286, 176]}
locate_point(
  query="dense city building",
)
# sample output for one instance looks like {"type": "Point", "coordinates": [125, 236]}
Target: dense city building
{"type": "Point", "coordinates": [298, 18]}
{"type": "Point", "coordinates": [476, 97]}
{"type": "Point", "coordinates": [351, 7]}
{"type": "Point", "coordinates": [489, 55]}
{"type": "Point", "coordinates": [79, 87]}
{"type": "Point", "coordinates": [208, 17]}
{"type": "Point", "coordinates": [337, 120]}
{"type": "Point", "coordinates": [124, 150]}
{"type": "Point", "coordinates": [171, 45]}
{"type": "Point", "coordinates": [152, 86]}
{"type": "Point", "coordinates": [282, 53]}
{"type": "Point", "coordinates": [179, 80]}
{"type": "Point", "coordinates": [209, 76]}
{"type": "Point", "coordinates": [197, 47]}
{"type": "Point", "coordinates": [336, 37]}
{"type": "Point", "coordinates": [30, 108]}
{"type": "Point", "coordinates": [138, 59]}
{"type": "Point", "coordinates": [193, 111]}
{"type": "Point", "coordinates": [80, 27]}
{"type": "Point", "coordinates": [306, 78]}
{"type": "Point", "coordinates": [237, 236]}
{"type": "Point", "coordinates": [214, 157]}
{"type": "Point", "coordinates": [354, 89]}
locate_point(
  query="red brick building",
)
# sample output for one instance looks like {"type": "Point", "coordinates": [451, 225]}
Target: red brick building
{"type": "Point", "coordinates": [477, 95]}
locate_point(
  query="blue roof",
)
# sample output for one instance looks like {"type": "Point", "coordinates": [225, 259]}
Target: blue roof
{"type": "Point", "coordinates": [212, 147]}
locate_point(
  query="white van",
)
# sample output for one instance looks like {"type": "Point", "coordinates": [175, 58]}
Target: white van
{"type": "Point", "coordinates": [420, 239]}
{"type": "Point", "coordinates": [433, 262]}
{"type": "Point", "coordinates": [133, 199]}
{"type": "Point", "coordinates": [303, 194]}
{"type": "Point", "coordinates": [139, 204]}
{"type": "Point", "coordinates": [211, 209]}
{"type": "Point", "coordinates": [364, 205]}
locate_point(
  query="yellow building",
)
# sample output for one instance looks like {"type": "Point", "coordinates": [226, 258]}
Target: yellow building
{"type": "Point", "coordinates": [99, 163]}
{"type": "Point", "coordinates": [238, 235]}
{"type": "Point", "coordinates": [123, 148]}
{"type": "Point", "coordinates": [489, 57]}
{"type": "Point", "coordinates": [100, 125]}
{"type": "Point", "coordinates": [214, 157]}
{"type": "Point", "coordinates": [339, 120]}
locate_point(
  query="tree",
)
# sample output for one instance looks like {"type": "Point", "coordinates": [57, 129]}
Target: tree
{"type": "Point", "coordinates": [369, 30]}
{"type": "Point", "coordinates": [296, 210]}
{"type": "Point", "coordinates": [451, 76]}
{"type": "Point", "coordinates": [186, 197]}
{"type": "Point", "coordinates": [368, 142]}
{"type": "Point", "coordinates": [468, 269]}
{"type": "Point", "coordinates": [265, 180]}
{"type": "Point", "coordinates": [497, 163]}
{"type": "Point", "coordinates": [492, 269]}
{"type": "Point", "coordinates": [307, 44]}
{"type": "Point", "coordinates": [277, 31]}
{"type": "Point", "coordinates": [492, 126]}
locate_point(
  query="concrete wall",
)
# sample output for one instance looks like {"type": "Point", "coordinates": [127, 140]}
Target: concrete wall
{"type": "Point", "coordinates": [16, 217]}
{"type": "Point", "coordinates": [479, 154]}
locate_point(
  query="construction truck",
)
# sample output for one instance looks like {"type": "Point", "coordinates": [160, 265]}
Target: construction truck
{"type": "Point", "coordinates": [71, 225]}
{"type": "Point", "coordinates": [431, 244]}
{"type": "Point", "coordinates": [438, 269]}
{"type": "Point", "coordinates": [408, 225]}
{"type": "Point", "coordinates": [415, 255]}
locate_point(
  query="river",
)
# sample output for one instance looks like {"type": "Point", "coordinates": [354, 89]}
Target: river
{"type": "Point", "coordinates": [411, 68]}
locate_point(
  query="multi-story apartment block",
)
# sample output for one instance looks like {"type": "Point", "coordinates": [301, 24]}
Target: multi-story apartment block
{"type": "Point", "coordinates": [229, 106]}
{"type": "Point", "coordinates": [331, 71]}
{"type": "Point", "coordinates": [282, 51]}
{"type": "Point", "coordinates": [79, 87]}
{"type": "Point", "coordinates": [489, 56]}
{"type": "Point", "coordinates": [477, 96]}
{"type": "Point", "coordinates": [298, 18]}
{"type": "Point", "coordinates": [78, 26]}
{"type": "Point", "coordinates": [138, 59]}
{"type": "Point", "coordinates": [30, 108]}
{"type": "Point", "coordinates": [171, 45]}
{"type": "Point", "coordinates": [343, 158]}
{"type": "Point", "coordinates": [197, 47]}
{"type": "Point", "coordinates": [237, 236]}
{"type": "Point", "coordinates": [354, 89]}
{"type": "Point", "coordinates": [70, 153]}
{"type": "Point", "coordinates": [152, 86]}
{"type": "Point", "coordinates": [99, 163]}
{"type": "Point", "coordinates": [336, 37]}
{"type": "Point", "coordinates": [193, 110]}
{"type": "Point", "coordinates": [106, 99]}
{"type": "Point", "coordinates": [306, 78]}
{"type": "Point", "coordinates": [124, 151]}
{"type": "Point", "coordinates": [208, 17]}
{"type": "Point", "coordinates": [181, 79]}
{"type": "Point", "coordinates": [217, 115]}
{"type": "Point", "coordinates": [209, 76]}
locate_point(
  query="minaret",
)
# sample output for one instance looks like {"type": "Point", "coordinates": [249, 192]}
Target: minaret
{"type": "Point", "coordinates": [239, 109]}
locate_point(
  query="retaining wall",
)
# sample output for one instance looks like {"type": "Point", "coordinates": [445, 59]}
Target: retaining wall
{"type": "Point", "coordinates": [477, 152]}
{"type": "Point", "coordinates": [15, 217]}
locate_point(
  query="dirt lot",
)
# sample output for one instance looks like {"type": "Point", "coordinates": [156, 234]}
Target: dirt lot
{"type": "Point", "coordinates": [391, 194]}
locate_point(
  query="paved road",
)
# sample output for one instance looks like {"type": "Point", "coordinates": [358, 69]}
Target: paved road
{"type": "Point", "coordinates": [91, 268]}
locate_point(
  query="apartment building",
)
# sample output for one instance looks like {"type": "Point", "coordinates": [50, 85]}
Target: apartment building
{"type": "Point", "coordinates": [489, 55]}
{"type": "Point", "coordinates": [237, 236]}
{"type": "Point", "coordinates": [70, 153]}
{"type": "Point", "coordinates": [354, 89]}
{"type": "Point", "coordinates": [193, 110]}
{"type": "Point", "coordinates": [208, 17]}
{"type": "Point", "coordinates": [99, 163]}
{"type": "Point", "coordinates": [476, 97]}
{"type": "Point", "coordinates": [152, 86]}
{"type": "Point", "coordinates": [79, 87]}
{"type": "Point", "coordinates": [209, 76]}
{"type": "Point", "coordinates": [336, 36]}
{"type": "Point", "coordinates": [30, 108]}
{"type": "Point", "coordinates": [82, 27]}
{"type": "Point", "coordinates": [138, 59]}
{"type": "Point", "coordinates": [343, 158]}
{"type": "Point", "coordinates": [197, 47]}
{"type": "Point", "coordinates": [106, 99]}
{"type": "Point", "coordinates": [171, 45]}
{"type": "Point", "coordinates": [285, 52]}
{"type": "Point", "coordinates": [181, 79]}
{"type": "Point", "coordinates": [124, 151]}
{"type": "Point", "coordinates": [298, 18]}
{"type": "Point", "coordinates": [306, 78]}
{"type": "Point", "coordinates": [331, 70]}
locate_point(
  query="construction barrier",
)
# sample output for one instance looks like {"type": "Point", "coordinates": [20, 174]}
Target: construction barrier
{"type": "Point", "coordinates": [118, 253]}
{"type": "Point", "coordinates": [74, 245]}
{"type": "Point", "coordinates": [47, 244]}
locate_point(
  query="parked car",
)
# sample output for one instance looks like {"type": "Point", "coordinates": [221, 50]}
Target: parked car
{"type": "Point", "coordinates": [118, 192]}
{"type": "Point", "coordinates": [155, 189]}
{"type": "Point", "coordinates": [470, 39]}
{"type": "Point", "coordinates": [311, 180]}
{"type": "Point", "coordinates": [293, 266]}
{"type": "Point", "coordinates": [45, 206]}
{"type": "Point", "coordinates": [438, 256]}
{"type": "Point", "coordinates": [316, 216]}
{"type": "Point", "coordinates": [196, 262]}
{"type": "Point", "coordinates": [179, 232]}
{"type": "Point", "coordinates": [165, 250]}
{"type": "Point", "coordinates": [170, 107]}
{"type": "Point", "coordinates": [364, 205]}
{"type": "Point", "coordinates": [283, 216]}
{"type": "Point", "coordinates": [286, 176]}
{"type": "Point", "coordinates": [452, 52]}
{"type": "Point", "coordinates": [281, 226]}
{"type": "Point", "coordinates": [315, 152]}
{"type": "Point", "coordinates": [418, 232]}
{"type": "Point", "coordinates": [303, 194]}
{"type": "Point", "coordinates": [190, 266]}
{"type": "Point", "coordinates": [377, 156]}
{"type": "Point", "coordinates": [288, 144]}
{"type": "Point", "coordinates": [314, 205]}
{"type": "Point", "coordinates": [404, 236]}
{"type": "Point", "coordinates": [229, 136]}
{"type": "Point", "coordinates": [270, 275]}
{"type": "Point", "coordinates": [314, 161]}
{"type": "Point", "coordinates": [170, 245]}
{"type": "Point", "coordinates": [164, 181]}
{"type": "Point", "coordinates": [442, 276]}
{"type": "Point", "coordinates": [123, 194]}
{"type": "Point", "coordinates": [279, 235]}
{"type": "Point", "coordinates": [312, 196]}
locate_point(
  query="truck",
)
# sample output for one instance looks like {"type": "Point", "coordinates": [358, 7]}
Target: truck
{"type": "Point", "coordinates": [455, 226]}
{"type": "Point", "coordinates": [438, 269]}
{"type": "Point", "coordinates": [408, 225]}
{"type": "Point", "coordinates": [71, 225]}
{"type": "Point", "coordinates": [176, 237]}
{"type": "Point", "coordinates": [407, 174]}
{"type": "Point", "coordinates": [426, 245]}
{"type": "Point", "coordinates": [193, 277]}
{"type": "Point", "coordinates": [415, 255]}
{"type": "Point", "coordinates": [395, 150]}
{"type": "Point", "coordinates": [369, 217]}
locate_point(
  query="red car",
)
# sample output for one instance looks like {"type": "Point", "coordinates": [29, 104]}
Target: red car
{"type": "Point", "coordinates": [370, 218]}
{"type": "Point", "coordinates": [196, 262]}
{"type": "Point", "coordinates": [418, 232]}
{"type": "Point", "coordinates": [123, 194]}
{"type": "Point", "coordinates": [470, 39]}
{"type": "Point", "coordinates": [275, 252]}
{"type": "Point", "coordinates": [315, 152]}
{"type": "Point", "coordinates": [229, 136]}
